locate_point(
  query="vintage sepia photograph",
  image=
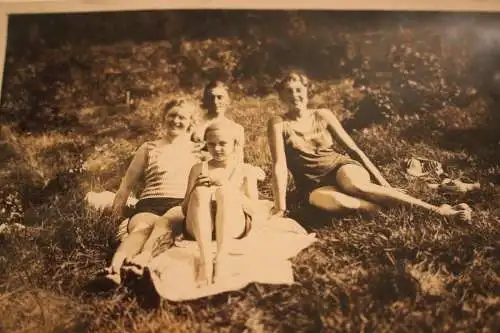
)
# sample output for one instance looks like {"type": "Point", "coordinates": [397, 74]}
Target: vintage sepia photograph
{"type": "Point", "coordinates": [250, 170]}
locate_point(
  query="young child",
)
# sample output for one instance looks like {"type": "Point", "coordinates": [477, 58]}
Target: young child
{"type": "Point", "coordinates": [220, 200]}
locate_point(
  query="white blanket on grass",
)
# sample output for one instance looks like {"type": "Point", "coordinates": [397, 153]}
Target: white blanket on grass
{"type": "Point", "coordinates": [261, 257]}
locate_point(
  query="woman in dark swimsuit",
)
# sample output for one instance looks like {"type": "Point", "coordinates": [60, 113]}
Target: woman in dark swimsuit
{"type": "Point", "coordinates": [301, 141]}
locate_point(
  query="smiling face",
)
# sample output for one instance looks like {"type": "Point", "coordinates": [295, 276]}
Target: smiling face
{"type": "Point", "coordinates": [221, 144]}
{"type": "Point", "coordinates": [217, 100]}
{"type": "Point", "coordinates": [294, 93]}
{"type": "Point", "coordinates": [178, 120]}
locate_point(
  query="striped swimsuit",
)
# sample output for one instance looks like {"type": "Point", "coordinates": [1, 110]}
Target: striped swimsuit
{"type": "Point", "coordinates": [165, 176]}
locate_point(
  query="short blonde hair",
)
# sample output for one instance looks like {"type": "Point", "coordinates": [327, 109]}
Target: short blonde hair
{"type": "Point", "coordinates": [184, 103]}
{"type": "Point", "coordinates": [222, 125]}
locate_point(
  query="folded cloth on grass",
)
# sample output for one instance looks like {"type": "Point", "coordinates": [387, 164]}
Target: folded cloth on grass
{"type": "Point", "coordinates": [419, 167]}
{"type": "Point", "coordinates": [101, 201]}
{"type": "Point", "coordinates": [261, 257]}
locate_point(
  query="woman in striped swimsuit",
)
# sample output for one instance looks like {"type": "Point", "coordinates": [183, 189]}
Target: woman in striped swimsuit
{"type": "Point", "coordinates": [301, 141]}
{"type": "Point", "coordinates": [164, 166]}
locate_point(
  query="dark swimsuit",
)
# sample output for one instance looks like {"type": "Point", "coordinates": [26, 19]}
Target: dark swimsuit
{"type": "Point", "coordinates": [158, 206]}
{"type": "Point", "coordinates": [311, 158]}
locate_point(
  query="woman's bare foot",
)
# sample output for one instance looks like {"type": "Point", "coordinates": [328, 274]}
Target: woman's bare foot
{"type": "Point", "coordinates": [110, 274]}
{"type": "Point", "coordinates": [137, 263]}
{"type": "Point", "coordinates": [462, 211]}
{"type": "Point", "coordinates": [455, 186]}
{"type": "Point", "coordinates": [204, 273]}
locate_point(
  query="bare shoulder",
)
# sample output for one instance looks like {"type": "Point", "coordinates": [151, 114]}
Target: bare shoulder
{"type": "Point", "coordinates": [326, 114]}
{"type": "Point", "coordinates": [145, 146]}
{"type": "Point", "coordinates": [196, 168]}
{"type": "Point", "coordinates": [274, 121]}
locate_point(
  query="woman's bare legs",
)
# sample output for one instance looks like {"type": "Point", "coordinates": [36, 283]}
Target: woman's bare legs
{"type": "Point", "coordinates": [330, 199]}
{"type": "Point", "coordinates": [229, 224]}
{"type": "Point", "coordinates": [199, 224]}
{"type": "Point", "coordinates": [161, 237]}
{"type": "Point", "coordinates": [139, 228]}
{"type": "Point", "coordinates": [355, 180]}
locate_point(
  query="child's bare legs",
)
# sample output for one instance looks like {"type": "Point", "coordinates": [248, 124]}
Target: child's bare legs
{"type": "Point", "coordinates": [329, 198]}
{"type": "Point", "coordinates": [139, 228]}
{"type": "Point", "coordinates": [229, 223]}
{"type": "Point", "coordinates": [199, 224]}
{"type": "Point", "coordinates": [355, 180]}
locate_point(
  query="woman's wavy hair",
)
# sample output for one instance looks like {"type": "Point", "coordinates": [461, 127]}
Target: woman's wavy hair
{"type": "Point", "coordinates": [206, 92]}
{"type": "Point", "coordinates": [180, 103]}
{"type": "Point", "coordinates": [292, 74]}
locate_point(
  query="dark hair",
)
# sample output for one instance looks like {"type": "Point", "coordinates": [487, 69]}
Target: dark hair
{"type": "Point", "coordinates": [206, 92]}
{"type": "Point", "coordinates": [290, 75]}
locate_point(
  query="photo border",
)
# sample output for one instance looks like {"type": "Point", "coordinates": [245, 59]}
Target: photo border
{"type": "Point", "coordinates": [9, 7]}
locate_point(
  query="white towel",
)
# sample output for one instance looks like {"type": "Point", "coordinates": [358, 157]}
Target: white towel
{"type": "Point", "coordinates": [261, 257]}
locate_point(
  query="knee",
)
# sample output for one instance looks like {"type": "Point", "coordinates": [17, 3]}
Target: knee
{"type": "Point", "coordinates": [331, 201]}
{"type": "Point", "coordinates": [162, 222]}
{"type": "Point", "coordinates": [199, 195]}
{"type": "Point", "coordinates": [358, 187]}
{"type": "Point", "coordinates": [224, 193]}
{"type": "Point", "coordinates": [143, 227]}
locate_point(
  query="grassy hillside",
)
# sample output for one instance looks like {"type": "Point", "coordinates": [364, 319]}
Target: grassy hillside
{"type": "Point", "coordinates": [404, 85]}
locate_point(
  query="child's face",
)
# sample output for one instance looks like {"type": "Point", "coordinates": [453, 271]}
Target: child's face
{"type": "Point", "coordinates": [220, 145]}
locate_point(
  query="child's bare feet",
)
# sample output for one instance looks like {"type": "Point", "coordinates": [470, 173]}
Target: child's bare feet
{"type": "Point", "coordinates": [221, 272]}
{"type": "Point", "coordinates": [204, 273]}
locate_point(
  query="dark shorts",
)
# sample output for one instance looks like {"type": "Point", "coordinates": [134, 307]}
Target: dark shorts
{"type": "Point", "coordinates": [330, 179]}
{"type": "Point", "coordinates": [246, 231]}
{"type": "Point", "coordinates": [157, 206]}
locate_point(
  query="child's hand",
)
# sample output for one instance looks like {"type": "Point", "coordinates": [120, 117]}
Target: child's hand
{"type": "Point", "coordinates": [202, 180]}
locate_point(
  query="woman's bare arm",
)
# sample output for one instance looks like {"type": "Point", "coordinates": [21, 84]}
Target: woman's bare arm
{"type": "Point", "coordinates": [241, 142]}
{"type": "Point", "coordinates": [338, 131]}
{"type": "Point", "coordinates": [132, 175]}
{"type": "Point", "coordinates": [250, 191]}
{"type": "Point", "coordinates": [279, 166]}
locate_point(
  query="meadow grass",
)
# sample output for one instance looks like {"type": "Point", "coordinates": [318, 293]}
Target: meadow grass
{"type": "Point", "coordinates": [399, 271]}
